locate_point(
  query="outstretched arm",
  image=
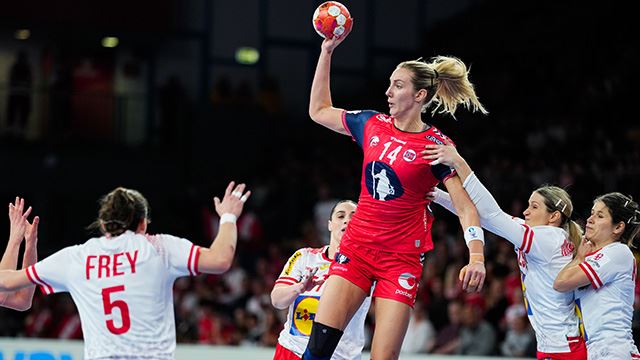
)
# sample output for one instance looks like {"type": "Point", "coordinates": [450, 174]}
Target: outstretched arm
{"type": "Point", "coordinates": [321, 108]}
{"type": "Point", "coordinates": [219, 256]}
{"type": "Point", "coordinates": [491, 215]}
{"type": "Point", "coordinates": [20, 228]}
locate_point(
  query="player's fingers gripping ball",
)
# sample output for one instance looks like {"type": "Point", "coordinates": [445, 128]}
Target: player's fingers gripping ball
{"type": "Point", "coordinates": [332, 19]}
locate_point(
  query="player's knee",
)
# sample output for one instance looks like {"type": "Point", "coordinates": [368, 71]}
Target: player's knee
{"type": "Point", "coordinates": [322, 342]}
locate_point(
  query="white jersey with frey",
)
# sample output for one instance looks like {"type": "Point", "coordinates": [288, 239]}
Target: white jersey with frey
{"type": "Point", "coordinates": [123, 288]}
{"type": "Point", "coordinates": [606, 306]}
{"type": "Point", "coordinates": [302, 311]}
{"type": "Point", "coordinates": [542, 252]}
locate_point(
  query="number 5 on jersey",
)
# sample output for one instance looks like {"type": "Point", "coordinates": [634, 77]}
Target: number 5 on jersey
{"type": "Point", "coordinates": [121, 305]}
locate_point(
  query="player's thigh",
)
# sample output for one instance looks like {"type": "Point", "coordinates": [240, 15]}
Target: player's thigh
{"type": "Point", "coordinates": [392, 320]}
{"type": "Point", "coordinates": [339, 301]}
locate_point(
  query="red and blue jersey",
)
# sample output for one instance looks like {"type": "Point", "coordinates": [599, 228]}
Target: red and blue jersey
{"type": "Point", "coordinates": [392, 210]}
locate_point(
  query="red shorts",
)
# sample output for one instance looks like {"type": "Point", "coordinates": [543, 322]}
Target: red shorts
{"type": "Point", "coordinates": [282, 353]}
{"type": "Point", "coordinates": [396, 274]}
{"type": "Point", "coordinates": [577, 348]}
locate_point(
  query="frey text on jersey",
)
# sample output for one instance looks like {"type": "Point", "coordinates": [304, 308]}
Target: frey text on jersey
{"type": "Point", "coordinates": [110, 265]}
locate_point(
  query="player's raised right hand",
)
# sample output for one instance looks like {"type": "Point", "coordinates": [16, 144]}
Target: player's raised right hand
{"type": "Point", "coordinates": [329, 45]}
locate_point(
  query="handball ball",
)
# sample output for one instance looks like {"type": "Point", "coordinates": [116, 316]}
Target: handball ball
{"type": "Point", "coordinates": [332, 19]}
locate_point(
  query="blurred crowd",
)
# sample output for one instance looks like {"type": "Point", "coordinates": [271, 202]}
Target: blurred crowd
{"type": "Point", "coordinates": [554, 119]}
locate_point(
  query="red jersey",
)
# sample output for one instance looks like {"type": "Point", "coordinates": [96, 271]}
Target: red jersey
{"type": "Point", "coordinates": [393, 213]}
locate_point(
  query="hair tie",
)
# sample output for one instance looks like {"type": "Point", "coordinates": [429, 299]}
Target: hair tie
{"type": "Point", "coordinates": [435, 75]}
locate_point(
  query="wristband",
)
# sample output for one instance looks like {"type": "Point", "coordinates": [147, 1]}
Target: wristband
{"type": "Point", "coordinates": [228, 218]}
{"type": "Point", "coordinates": [473, 233]}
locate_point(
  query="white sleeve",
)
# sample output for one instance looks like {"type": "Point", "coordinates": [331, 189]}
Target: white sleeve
{"type": "Point", "coordinates": [443, 199]}
{"type": "Point", "coordinates": [182, 255]}
{"type": "Point", "coordinates": [50, 274]}
{"type": "Point", "coordinates": [493, 219]}
{"type": "Point", "coordinates": [607, 264]}
{"type": "Point", "coordinates": [293, 269]}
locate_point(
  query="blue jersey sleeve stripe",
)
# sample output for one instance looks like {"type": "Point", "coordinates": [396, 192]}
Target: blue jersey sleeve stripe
{"type": "Point", "coordinates": [355, 121]}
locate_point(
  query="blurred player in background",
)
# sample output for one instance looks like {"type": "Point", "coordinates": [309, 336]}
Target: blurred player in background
{"type": "Point", "coordinates": [300, 287]}
{"type": "Point", "coordinates": [388, 236]}
{"type": "Point", "coordinates": [545, 241]}
{"type": "Point", "coordinates": [21, 228]}
{"type": "Point", "coordinates": [122, 282]}
{"type": "Point", "coordinates": [603, 276]}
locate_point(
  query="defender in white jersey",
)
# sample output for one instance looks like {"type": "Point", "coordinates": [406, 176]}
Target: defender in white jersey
{"type": "Point", "coordinates": [544, 243]}
{"type": "Point", "coordinates": [300, 286]}
{"type": "Point", "coordinates": [603, 275]}
{"type": "Point", "coordinates": [122, 282]}
{"type": "Point", "coordinates": [20, 229]}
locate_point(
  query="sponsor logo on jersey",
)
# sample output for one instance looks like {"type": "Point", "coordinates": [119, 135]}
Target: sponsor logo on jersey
{"type": "Point", "coordinates": [434, 139]}
{"type": "Point", "coordinates": [374, 141]}
{"type": "Point", "coordinates": [304, 312]}
{"type": "Point", "coordinates": [598, 256]}
{"type": "Point", "coordinates": [292, 261]}
{"type": "Point", "coordinates": [409, 155]}
{"type": "Point", "coordinates": [342, 258]}
{"type": "Point", "coordinates": [404, 293]}
{"type": "Point", "coordinates": [407, 281]}
{"type": "Point", "coordinates": [393, 138]}
{"type": "Point", "coordinates": [382, 182]}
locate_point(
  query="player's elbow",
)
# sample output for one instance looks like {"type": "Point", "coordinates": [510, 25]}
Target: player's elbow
{"type": "Point", "coordinates": [314, 114]}
{"type": "Point", "coordinates": [215, 262]}
{"type": "Point", "coordinates": [220, 266]}
{"type": "Point", "coordinates": [277, 303]}
{"type": "Point", "coordinates": [278, 299]}
{"type": "Point", "coordinates": [561, 285]}
{"type": "Point", "coordinates": [18, 302]}
{"type": "Point", "coordinates": [24, 305]}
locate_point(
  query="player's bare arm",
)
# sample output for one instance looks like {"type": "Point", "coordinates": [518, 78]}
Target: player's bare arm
{"type": "Point", "coordinates": [321, 108]}
{"type": "Point", "coordinates": [473, 274]}
{"type": "Point", "coordinates": [219, 257]}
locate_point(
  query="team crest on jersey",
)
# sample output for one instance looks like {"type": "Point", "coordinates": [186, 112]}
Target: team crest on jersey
{"type": "Point", "coordinates": [374, 141]}
{"type": "Point", "coordinates": [409, 155]}
{"type": "Point", "coordinates": [407, 281]}
{"type": "Point", "coordinates": [383, 117]}
{"type": "Point", "coordinates": [304, 312]}
{"type": "Point", "coordinates": [382, 182]}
